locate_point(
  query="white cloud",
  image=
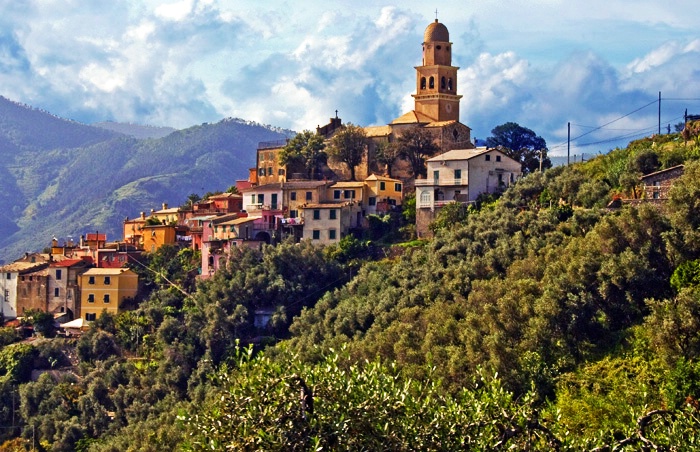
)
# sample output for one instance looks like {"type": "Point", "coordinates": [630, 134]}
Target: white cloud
{"type": "Point", "coordinates": [177, 11]}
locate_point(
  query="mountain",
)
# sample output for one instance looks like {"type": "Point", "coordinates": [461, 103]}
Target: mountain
{"type": "Point", "coordinates": [62, 178]}
{"type": "Point", "coordinates": [135, 130]}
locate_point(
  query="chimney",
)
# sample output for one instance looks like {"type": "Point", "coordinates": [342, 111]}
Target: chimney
{"type": "Point", "coordinates": [143, 215]}
{"type": "Point", "coordinates": [165, 205]}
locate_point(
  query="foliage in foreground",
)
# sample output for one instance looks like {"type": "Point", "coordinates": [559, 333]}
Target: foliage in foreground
{"type": "Point", "coordinates": [337, 404]}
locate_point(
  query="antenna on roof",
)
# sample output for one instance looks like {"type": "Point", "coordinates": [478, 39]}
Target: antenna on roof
{"type": "Point", "coordinates": [436, 14]}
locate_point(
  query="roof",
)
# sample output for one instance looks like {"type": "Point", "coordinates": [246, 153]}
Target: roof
{"type": "Point", "coordinates": [348, 184]}
{"type": "Point", "coordinates": [435, 124]}
{"type": "Point", "coordinates": [203, 218]}
{"type": "Point", "coordinates": [167, 211]}
{"type": "Point", "coordinates": [95, 237]}
{"type": "Point", "coordinates": [106, 271]}
{"type": "Point", "coordinates": [656, 173]}
{"type": "Point", "coordinates": [378, 131]}
{"type": "Point", "coordinates": [462, 154]}
{"type": "Point", "coordinates": [238, 221]}
{"type": "Point", "coordinates": [22, 267]}
{"type": "Point", "coordinates": [225, 196]}
{"type": "Point", "coordinates": [271, 186]}
{"type": "Point", "coordinates": [412, 117]}
{"type": "Point", "coordinates": [305, 184]}
{"type": "Point", "coordinates": [374, 177]}
{"type": "Point", "coordinates": [436, 32]}
{"type": "Point", "coordinates": [67, 263]}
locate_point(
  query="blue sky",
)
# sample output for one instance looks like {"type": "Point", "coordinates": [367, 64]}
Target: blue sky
{"type": "Point", "coordinates": [540, 63]}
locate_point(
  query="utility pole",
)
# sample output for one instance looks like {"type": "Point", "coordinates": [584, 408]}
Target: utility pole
{"type": "Point", "coordinates": [659, 112]}
{"type": "Point", "coordinates": [568, 143]}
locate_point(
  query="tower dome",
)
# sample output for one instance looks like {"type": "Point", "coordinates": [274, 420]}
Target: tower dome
{"type": "Point", "coordinates": [436, 32]}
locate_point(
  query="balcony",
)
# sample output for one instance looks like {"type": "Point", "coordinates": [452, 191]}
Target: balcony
{"type": "Point", "coordinates": [441, 182]}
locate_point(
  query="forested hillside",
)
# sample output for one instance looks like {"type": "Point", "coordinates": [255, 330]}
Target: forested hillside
{"type": "Point", "coordinates": [541, 320]}
{"type": "Point", "coordinates": [61, 178]}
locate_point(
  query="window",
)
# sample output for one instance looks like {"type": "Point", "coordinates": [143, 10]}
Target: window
{"type": "Point", "coordinates": [443, 83]}
{"type": "Point", "coordinates": [432, 83]}
{"type": "Point", "coordinates": [498, 158]}
{"type": "Point", "coordinates": [58, 275]}
{"type": "Point", "coordinates": [316, 234]}
{"type": "Point", "coordinates": [293, 214]}
{"type": "Point", "coordinates": [8, 276]}
{"type": "Point", "coordinates": [458, 174]}
{"type": "Point", "coordinates": [261, 198]}
{"type": "Point", "coordinates": [488, 157]}
{"type": "Point", "coordinates": [90, 316]}
{"type": "Point", "coordinates": [331, 234]}
{"type": "Point", "coordinates": [269, 171]}
{"type": "Point", "coordinates": [273, 201]}
{"type": "Point", "coordinates": [252, 199]}
{"type": "Point", "coordinates": [422, 83]}
{"type": "Point", "coordinates": [349, 194]}
{"type": "Point", "coordinates": [108, 280]}
{"type": "Point", "coordinates": [317, 214]}
{"type": "Point", "coordinates": [57, 292]}
{"type": "Point", "coordinates": [333, 214]}
{"type": "Point", "coordinates": [280, 172]}
{"type": "Point", "coordinates": [397, 187]}
{"type": "Point", "coordinates": [449, 81]}
{"type": "Point", "coordinates": [425, 197]}
{"type": "Point", "coordinates": [91, 298]}
{"type": "Point", "coordinates": [382, 185]}
{"type": "Point", "coordinates": [106, 298]}
{"type": "Point", "coordinates": [7, 294]}
{"type": "Point", "coordinates": [261, 172]}
{"type": "Point", "coordinates": [309, 196]}
{"type": "Point", "coordinates": [91, 280]}
{"type": "Point", "coordinates": [336, 195]}
{"type": "Point", "coordinates": [293, 196]}
{"type": "Point", "coordinates": [372, 201]}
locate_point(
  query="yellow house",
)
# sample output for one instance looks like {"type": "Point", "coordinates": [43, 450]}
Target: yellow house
{"type": "Point", "coordinates": [105, 289]}
{"type": "Point", "coordinates": [382, 192]}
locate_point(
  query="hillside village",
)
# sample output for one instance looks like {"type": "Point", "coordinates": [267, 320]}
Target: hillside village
{"type": "Point", "coordinates": [519, 310]}
{"type": "Point", "coordinates": [277, 202]}
{"type": "Point", "coordinates": [76, 282]}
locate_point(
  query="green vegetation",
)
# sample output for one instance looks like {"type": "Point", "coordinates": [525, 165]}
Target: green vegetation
{"type": "Point", "coordinates": [540, 320]}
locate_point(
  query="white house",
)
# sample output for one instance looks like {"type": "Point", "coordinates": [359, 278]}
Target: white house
{"type": "Point", "coordinates": [462, 175]}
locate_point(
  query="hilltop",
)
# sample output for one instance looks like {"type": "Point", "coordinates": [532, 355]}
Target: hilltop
{"type": "Point", "coordinates": [60, 177]}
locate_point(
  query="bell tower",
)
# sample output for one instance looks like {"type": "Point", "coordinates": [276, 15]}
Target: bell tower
{"type": "Point", "coordinates": [436, 79]}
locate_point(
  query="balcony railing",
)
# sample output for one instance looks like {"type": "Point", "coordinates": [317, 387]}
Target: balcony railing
{"type": "Point", "coordinates": [441, 182]}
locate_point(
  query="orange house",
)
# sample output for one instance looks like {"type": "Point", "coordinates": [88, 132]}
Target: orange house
{"type": "Point", "coordinates": [155, 236]}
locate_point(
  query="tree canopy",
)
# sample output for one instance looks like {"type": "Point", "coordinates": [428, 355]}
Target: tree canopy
{"type": "Point", "coordinates": [305, 149]}
{"type": "Point", "coordinates": [520, 144]}
{"type": "Point", "coordinates": [414, 145]}
{"type": "Point", "coordinates": [349, 146]}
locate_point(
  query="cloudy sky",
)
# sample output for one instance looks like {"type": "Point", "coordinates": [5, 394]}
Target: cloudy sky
{"type": "Point", "coordinates": [540, 63]}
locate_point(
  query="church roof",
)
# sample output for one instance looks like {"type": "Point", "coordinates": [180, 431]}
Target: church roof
{"type": "Point", "coordinates": [412, 117]}
{"type": "Point", "coordinates": [436, 32]}
{"type": "Point", "coordinates": [378, 131]}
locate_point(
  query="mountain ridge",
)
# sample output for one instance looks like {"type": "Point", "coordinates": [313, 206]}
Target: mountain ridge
{"type": "Point", "coordinates": [63, 178]}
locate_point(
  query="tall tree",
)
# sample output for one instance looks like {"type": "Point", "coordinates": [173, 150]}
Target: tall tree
{"type": "Point", "coordinates": [386, 154]}
{"type": "Point", "coordinates": [305, 149]}
{"type": "Point", "coordinates": [414, 145]}
{"type": "Point", "coordinates": [521, 144]}
{"type": "Point", "coordinates": [349, 146]}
